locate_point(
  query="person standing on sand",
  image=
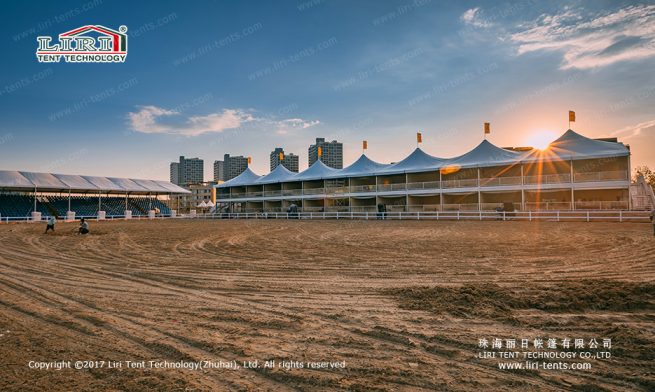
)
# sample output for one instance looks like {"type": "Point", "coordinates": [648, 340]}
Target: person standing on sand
{"type": "Point", "coordinates": [51, 224]}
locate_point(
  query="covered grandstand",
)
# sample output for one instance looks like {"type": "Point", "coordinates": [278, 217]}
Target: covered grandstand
{"type": "Point", "coordinates": [26, 195]}
{"type": "Point", "coordinates": [573, 173]}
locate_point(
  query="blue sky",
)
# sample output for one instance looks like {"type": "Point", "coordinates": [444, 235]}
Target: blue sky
{"type": "Point", "coordinates": [208, 78]}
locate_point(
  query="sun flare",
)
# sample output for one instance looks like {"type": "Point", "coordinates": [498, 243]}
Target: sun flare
{"type": "Point", "coordinates": [540, 139]}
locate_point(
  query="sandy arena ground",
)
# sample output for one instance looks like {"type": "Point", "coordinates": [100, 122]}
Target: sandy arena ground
{"type": "Point", "coordinates": [403, 303]}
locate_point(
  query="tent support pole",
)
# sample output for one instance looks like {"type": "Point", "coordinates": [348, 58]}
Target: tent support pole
{"type": "Point", "coordinates": [69, 199]}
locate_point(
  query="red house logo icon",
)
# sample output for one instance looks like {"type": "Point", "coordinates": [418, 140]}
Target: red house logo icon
{"type": "Point", "coordinates": [86, 44]}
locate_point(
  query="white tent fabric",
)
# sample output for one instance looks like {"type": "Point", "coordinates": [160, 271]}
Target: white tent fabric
{"type": "Point", "coordinates": [103, 183]}
{"type": "Point", "coordinates": [279, 174]}
{"type": "Point", "coordinates": [75, 182]}
{"type": "Point", "coordinates": [317, 171]}
{"type": "Point", "coordinates": [62, 182]}
{"type": "Point", "coordinates": [128, 185]}
{"type": "Point", "coordinates": [44, 180]}
{"type": "Point", "coordinates": [248, 177]}
{"type": "Point", "coordinates": [150, 185]}
{"type": "Point", "coordinates": [485, 154]}
{"type": "Point", "coordinates": [570, 145]}
{"type": "Point", "coordinates": [170, 187]}
{"type": "Point", "coordinates": [363, 166]}
{"type": "Point", "coordinates": [417, 161]}
{"type": "Point", "coordinates": [13, 179]}
{"type": "Point", "coordinates": [202, 204]}
{"type": "Point", "coordinates": [209, 203]}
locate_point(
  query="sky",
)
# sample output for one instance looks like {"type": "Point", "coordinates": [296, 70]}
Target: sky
{"type": "Point", "coordinates": [206, 78]}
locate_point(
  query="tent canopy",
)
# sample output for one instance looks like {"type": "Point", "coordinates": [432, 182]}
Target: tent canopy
{"type": "Point", "coordinates": [317, 171]}
{"type": "Point", "coordinates": [29, 181]}
{"type": "Point", "coordinates": [363, 166]}
{"type": "Point", "coordinates": [279, 174]}
{"type": "Point", "coordinates": [248, 177]}
{"type": "Point", "coordinates": [569, 146]}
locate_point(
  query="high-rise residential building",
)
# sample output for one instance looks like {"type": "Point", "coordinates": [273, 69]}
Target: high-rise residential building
{"type": "Point", "coordinates": [331, 153]}
{"type": "Point", "coordinates": [233, 166]}
{"type": "Point", "coordinates": [175, 173]}
{"type": "Point", "coordinates": [290, 161]}
{"type": "Point", "coordinates": [189, 171]}
{"type": "Point", "coordinates": [218, 171]}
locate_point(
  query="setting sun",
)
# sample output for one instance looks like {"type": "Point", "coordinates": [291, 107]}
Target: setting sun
{"type": "Point", "coordinates": [540, 139]}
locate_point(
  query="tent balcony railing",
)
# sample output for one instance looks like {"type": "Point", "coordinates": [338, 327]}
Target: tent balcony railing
{"type": "Point", "coordinates": [392, 187]}
{"type": "Point", "coordinates": [500, 181]}
{"type": "Point", "coordinates": [291, 192]}
{"type": "Point", "coordinates": [464, 183]}
{"type": "Point", "coordinates": [548, 179]}
{"type": "Point", "coordinates": [339, 189]}
{"type": "Point", "coordinates": [423, 185]}
{"type": "Point", "coordinates": [362, 188]}
{"type": "Point", "coordinates": [601, 205]}
{"type": "Point", "coordinates": [273, 193]}
{"type": "Point", "coordinates": [601, 176]}
{"type": "Point", "coordinates": [547, 205]}
{"type": "Point", "coordinates": [313, 191]}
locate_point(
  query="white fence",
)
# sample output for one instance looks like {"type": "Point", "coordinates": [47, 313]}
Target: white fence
{"type": "Point", "coordinates": [556, 216]}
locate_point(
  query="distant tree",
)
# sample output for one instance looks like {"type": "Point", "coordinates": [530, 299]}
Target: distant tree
{"type": "Point", "coordinates": [648, 174]}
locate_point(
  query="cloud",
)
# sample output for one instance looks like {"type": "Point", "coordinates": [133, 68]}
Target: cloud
{"type": "Point", "coordinates": [472, 17]}
{"type": "Point", "coordinates": [156, 120]}
{"type": "Point", "coordinates": [591, 41]}
{"type": "Point", "coordinates": [290, 124]}
{"type": "Point", "coordinates": [635, 130]}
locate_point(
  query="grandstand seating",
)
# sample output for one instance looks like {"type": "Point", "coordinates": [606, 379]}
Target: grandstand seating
{"type": "Point", "coordinates": [21, 206]}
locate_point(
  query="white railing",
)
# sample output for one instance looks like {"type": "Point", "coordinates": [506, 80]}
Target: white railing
{"type": "Point", "coordinates": [601, 205]}
{"type": "Point", "coordinates": [362, 188]}
{"type": "Point", "coordinates": [548, 179]}
{"type": "Point", "coordinates": [391, 187]}
{"type": "Point", "coordinates": [601, 176]}
{"type": "Point", "coordinates": [463, 183]}
{"type": "Point", "coordinates": [423, 185]}
{"type": "Point", "coordinates": [316, 213]}
{"type": "Point", "coordinates": [556, 216]}
{"type": "Point", "coordinates": [547, 205]}
{"type": "Point", "coordinates": [500, 181]}
{"type": "Point", "coordinates": [276, 192]}
{"type": "Point", "coordinates": [292, 192]}
{"type": "Point", "coordinates": [313, 191]}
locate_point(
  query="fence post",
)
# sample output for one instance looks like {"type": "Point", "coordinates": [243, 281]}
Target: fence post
{"type": "Point", "coordinates": [457, 214]}
{"type": "Point", "coordinates": [530, 216]}
{"type": "Point", "coordinates": [620, 215]}
{"type": "Point", "coordinates": [480, 214]}
{"type": "Point", "coordinates": [558, 215]}
{"type": "Point", "coordinates": [587, 216]}
{"type": "Point", "coordinates": [503, 215]}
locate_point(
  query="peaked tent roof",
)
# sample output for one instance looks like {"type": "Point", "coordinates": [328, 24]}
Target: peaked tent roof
{"type": "Point", "coordinates": [27, 181]}
{"type": "Point", "coordinates": [44, 180]}
{"type": "Point", "coordinates": [75, 182]}
{"type": "Point", "coordinates": [485, 154]}
{"type": "Point", "coordinates": [317, 171]}
{"type": "Point", "coordinates": [418, 160]}
{"type": "Point", "coordinates": [363, 166]}
{"type": "Point", "coordinates": [247, 177]}
{"type": "Point", "coordinates": [13, 179]}
{"type": "Point", "coordinates": [103, 183]}
{"type": "Point", "coordinates": [572, 145]}
{"type": "Point", "coordinates": [279, 174]}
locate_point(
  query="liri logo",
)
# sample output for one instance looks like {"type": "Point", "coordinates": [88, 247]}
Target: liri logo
{"type": "Point", "coordinates": [87, 44]}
